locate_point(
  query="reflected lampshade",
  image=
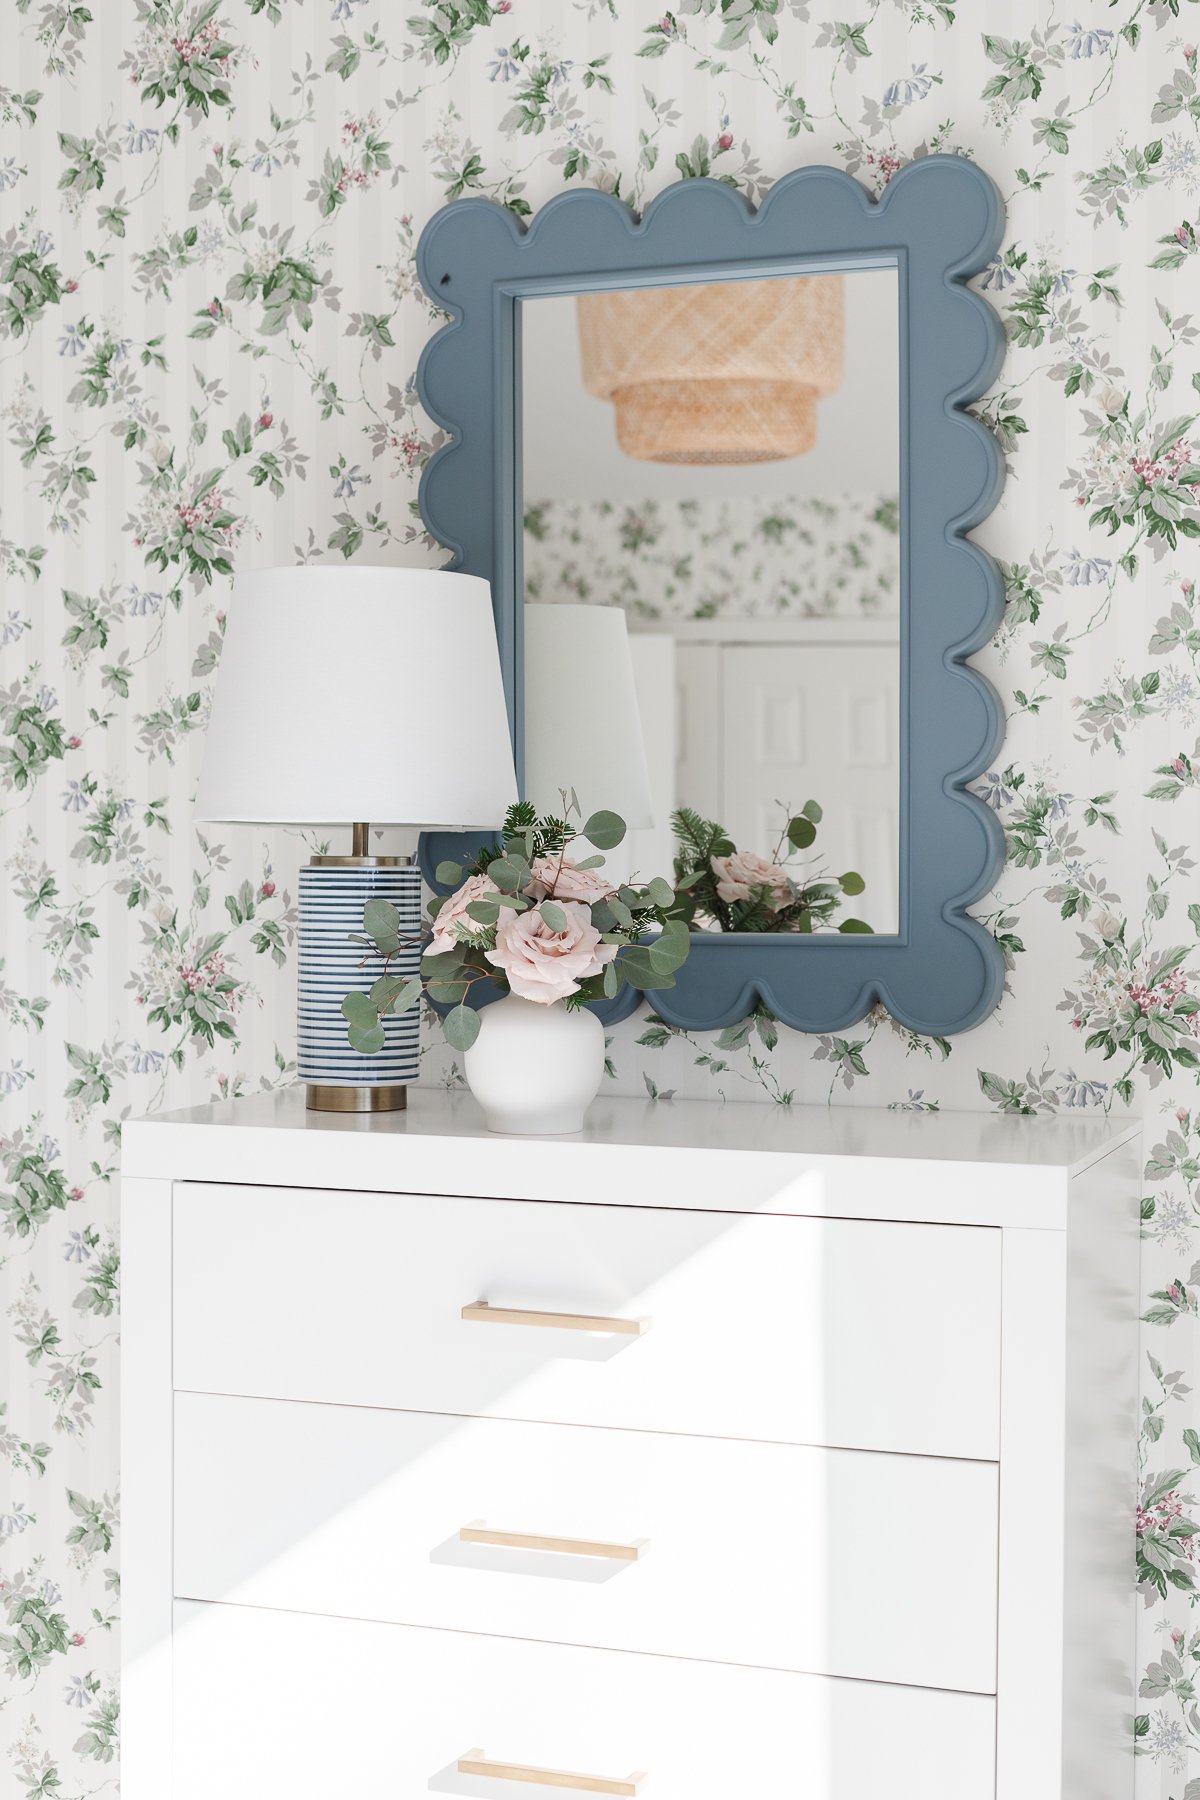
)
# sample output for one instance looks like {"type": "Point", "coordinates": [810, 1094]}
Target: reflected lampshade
{"type": "Point", "coordinates": [583, 727]}
{"type": "Point", "coordinates": [725, 372]}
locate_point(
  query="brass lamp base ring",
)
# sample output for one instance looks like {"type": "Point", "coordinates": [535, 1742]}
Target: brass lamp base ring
{"type": "Point", "coordinates": [365, 1099]}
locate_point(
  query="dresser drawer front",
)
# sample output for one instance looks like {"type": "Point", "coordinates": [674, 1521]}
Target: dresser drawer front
{"type": "Point", "coordinates": [835, 1562]}
{"type": "Point", "coordinates": [823, 1331]}
{"type": "Point", "coordinates": [307, 1708]}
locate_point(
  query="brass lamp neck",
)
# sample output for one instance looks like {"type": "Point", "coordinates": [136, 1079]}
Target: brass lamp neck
{"type": "Point", "coordinates": [360, 845]}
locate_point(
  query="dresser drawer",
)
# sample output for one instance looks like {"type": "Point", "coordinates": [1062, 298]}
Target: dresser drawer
{"type": "Point", "coordinates": [825, 1331]}
{"type": "Point", "coordinates": [836, 1562]}
{"type": "Point", "coordinates": [270, 1706]}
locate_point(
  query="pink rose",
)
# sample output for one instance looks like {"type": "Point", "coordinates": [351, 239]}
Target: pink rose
{"type": "Point", "coordinates": [546, 965]}
{"type": "Point", "coordinates": [454, 913]}
{"type": "Point", "coordinates": [739, 874]}
{"type": "Point", "coordinates": [725, 141]}
{"type": "Point", "coordinates": [558, 876]}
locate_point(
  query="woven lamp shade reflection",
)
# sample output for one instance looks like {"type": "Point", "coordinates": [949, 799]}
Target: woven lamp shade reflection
{"type": "Point", "coordinates": [729, 372]}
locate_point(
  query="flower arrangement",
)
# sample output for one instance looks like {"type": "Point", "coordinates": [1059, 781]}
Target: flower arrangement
{"type": "Point", "coordinates": [739, 890]}
{"type": "Point", "coordinates": [530, 919]}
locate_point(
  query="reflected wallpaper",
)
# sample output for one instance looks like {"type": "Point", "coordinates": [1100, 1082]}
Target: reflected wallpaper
{"type": "Point", "coordinates": [209, 322]}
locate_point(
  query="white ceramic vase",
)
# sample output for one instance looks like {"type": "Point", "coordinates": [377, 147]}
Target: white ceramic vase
{"type": "Point", "coordinates": [535, 1069]}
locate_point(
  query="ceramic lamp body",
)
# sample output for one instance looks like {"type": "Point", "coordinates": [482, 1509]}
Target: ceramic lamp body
{"type": "Point", "coordinates": [535, 1069]}
{"type": "Point", "coordinates": [329, 966]}
{"type": "Point", "coordinates": [725, 372]}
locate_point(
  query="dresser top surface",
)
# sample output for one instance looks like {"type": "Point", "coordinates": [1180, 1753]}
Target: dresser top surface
{"type": "Point", "coordinates": [435, 1118]}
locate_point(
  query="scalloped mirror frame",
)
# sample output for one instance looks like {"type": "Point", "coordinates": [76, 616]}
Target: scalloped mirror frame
{"type": "Point", "coordinates": [939, 221]}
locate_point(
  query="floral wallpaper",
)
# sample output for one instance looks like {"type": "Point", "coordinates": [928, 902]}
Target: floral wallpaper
{"type": "Point", "coordinates": [208, 329]}
{"type": "Point", "coordinates": [705, 559]}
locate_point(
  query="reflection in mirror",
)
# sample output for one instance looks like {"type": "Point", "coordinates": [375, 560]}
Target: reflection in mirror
{"type": "Point", "coordinates": [720, 462]}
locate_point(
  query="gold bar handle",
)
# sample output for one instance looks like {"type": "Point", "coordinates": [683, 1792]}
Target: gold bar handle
{"type": "Point", "coordinates": [476, 1763]}
{"type": "Point", "coordinates": [480, 1313]}
{"type": "Point", "coordinates": [477, 1532]}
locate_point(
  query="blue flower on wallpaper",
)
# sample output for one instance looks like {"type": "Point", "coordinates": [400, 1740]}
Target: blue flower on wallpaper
{"type": "Point", "coordinates": [909, 88]}
{"type": "Point", "coordinates": [1086, 41]}
{"type": "Point", "coordinates": [504, 66]}
{"type": "Point", "coordinates": [1086, 571]}
{"type": "Point", "coordinates": [139, 138]}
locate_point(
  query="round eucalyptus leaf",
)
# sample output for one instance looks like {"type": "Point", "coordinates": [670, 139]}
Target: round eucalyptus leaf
{"type": "Point", "coordinates": [408, 995]}
{"type": "Point", "coordinates": [850, 926]}
{"type": "Point", "coordinates": [448, 873]}
{"type": "Point", "coordinates": [359, 1009]}
{"type": "Point", "coordinates": [812, 811]}
{"type": "Point", "coordinates": [385, 990]}
{"type": "Point", "coordinates": [461, 1026]}
{"type": "Point", "coordinates": [640, 972]}
{"type": "Point", "coordinates": [801, 832]}
{"type": "Point", "coordinates": [852, 882]}
{"type": "Point", "coordinates": [367, 1042]}
{"type": "Point", "coordinates": [554, 915]}
{"type": "Point", "coordinates": [612, 979]}
{"type": "Point", "coordinates": [605, 830]}
{"type": "Point", "coordinates": [505, 874]}
{"type": "Point", "coordinates": [380, 919]}
{"type": "Point", "coordinates": [661, 892]}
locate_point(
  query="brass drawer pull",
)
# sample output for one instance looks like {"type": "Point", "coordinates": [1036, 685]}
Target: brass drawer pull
{"type": "Point", "coordinates": [478, 1533]}
{"type": "Point", "coordinates": [480, 1313]}
{"type": "Point", "coordinates": [476, 1763]}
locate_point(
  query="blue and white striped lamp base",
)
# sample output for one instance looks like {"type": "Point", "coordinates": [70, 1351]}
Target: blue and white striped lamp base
{"type": "Point", "coordinates": [334, 891]}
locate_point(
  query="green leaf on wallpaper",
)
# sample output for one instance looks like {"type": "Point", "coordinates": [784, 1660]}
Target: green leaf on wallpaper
{"type": "Point", "coordinates": [1192, 1439]}
{"type": "Point", "coordinates": [1055, 133]}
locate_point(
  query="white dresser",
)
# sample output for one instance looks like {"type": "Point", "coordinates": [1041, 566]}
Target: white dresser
{"type": "Point", "coordinates": [718, 1453]}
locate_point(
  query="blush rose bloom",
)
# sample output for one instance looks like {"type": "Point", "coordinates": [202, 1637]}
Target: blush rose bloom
{"type": "Point", "coordinates": [559, 876]}
{"type": "Point", "coordinates": [546, 965]}
{"type": "Point", "coordinates": [739, 874]}
{"type": "Point", "coordinates": [454, 912]}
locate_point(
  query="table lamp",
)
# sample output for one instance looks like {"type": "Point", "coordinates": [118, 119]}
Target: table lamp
{"type": "Point", "coordinates": [348, 695]}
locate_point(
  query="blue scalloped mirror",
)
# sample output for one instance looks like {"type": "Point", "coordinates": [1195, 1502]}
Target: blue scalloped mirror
{"type": "Point", "coordinates": [741, 437]}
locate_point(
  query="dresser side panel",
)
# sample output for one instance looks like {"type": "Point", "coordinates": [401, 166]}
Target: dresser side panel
{"type": "Point", "coordinates": [1101, 1437]}
{"type": "Point", "coordinates": [1032, 1500]}
{"type": "Point", "coordinates": [146, 1485]}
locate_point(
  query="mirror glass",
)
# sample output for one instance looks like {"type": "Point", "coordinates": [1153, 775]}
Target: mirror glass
{"type": "Point", "coordinates": [718, 464]}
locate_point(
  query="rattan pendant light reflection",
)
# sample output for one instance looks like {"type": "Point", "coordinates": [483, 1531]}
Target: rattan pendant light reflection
{"type": "Point", "coordinates": [727, 372]}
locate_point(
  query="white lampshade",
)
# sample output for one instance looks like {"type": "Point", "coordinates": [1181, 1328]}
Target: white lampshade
{"type": "Point", "coordinates": [358, 693]}
{"type": "Point", "coordinates": [583, 728]}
